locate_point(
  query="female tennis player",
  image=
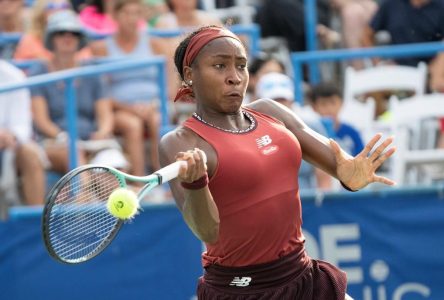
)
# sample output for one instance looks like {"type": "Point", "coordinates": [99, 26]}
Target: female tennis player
{"type": "Point", "coordinates": [244, 202]}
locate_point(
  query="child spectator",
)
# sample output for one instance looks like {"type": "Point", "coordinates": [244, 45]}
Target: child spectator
{"type": "Point", "coordinates": [326, 100]}
{"type": "Point", "coordinates": [280, 88]}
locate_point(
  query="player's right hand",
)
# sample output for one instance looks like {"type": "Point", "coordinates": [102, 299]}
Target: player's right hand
{"type": "Point", "coordinates": [196, 166]}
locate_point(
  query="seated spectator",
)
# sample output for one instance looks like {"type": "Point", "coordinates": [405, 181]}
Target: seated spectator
{"type": "Point", "coordinates": [152, 10]}
{"type": "Point", "coordinates": [326, 100]}
{"type": "Point", "coordinates": [437, 74]}
{"type": "Point", "coordinates": [280, 88]}
{"type": "Point", "coordinates": [96, 16]}
{"type": "Point", "coordinates": [185, 14]}
{"type": "Point", "coordinates": [135, 92]}
{"type": "Point", "coordinates": [11, 16]}
{"type": "Point", "coordinates": [64, 37]}
{"type": "Point", "coordinates": [284, 18]}
{"type": "Point", "coordinates": [355, 17]}
{"type": "Point", "coordinates": [31, 45]}
{"type": "Point", "coordinates": [437, 86]}
{"type": "Point", "coordinates": [18, 153]}
{"type": "Point", "coordinates": [260, 66]}
{"type": "Point", "coordinates": [11, 21]}
{"type": "Point", "coordinates": [408, 21]}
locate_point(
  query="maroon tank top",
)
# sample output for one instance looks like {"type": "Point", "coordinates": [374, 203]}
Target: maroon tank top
{"type": "Point", "coordinates": [255, 187]}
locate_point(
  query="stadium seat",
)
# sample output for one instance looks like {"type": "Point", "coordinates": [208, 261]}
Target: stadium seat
{"type": "Point", "coordinates": [383, 78]}
{"type": "Point", "coordinates": [357, 83]}
{"type": "Point", "coordinates": [415, 138]}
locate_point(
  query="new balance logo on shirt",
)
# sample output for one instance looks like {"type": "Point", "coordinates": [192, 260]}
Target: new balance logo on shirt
{"type": "Point", "coordinates": [263, 141]}
{"type": "Point", "coordinates": [241, 281]}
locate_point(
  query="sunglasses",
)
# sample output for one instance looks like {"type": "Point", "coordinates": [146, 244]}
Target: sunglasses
{"type": "Point", "coordinates": [57, 6]}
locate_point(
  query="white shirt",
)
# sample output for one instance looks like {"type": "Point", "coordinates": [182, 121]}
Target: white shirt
{"type": "Point", "coordinates": [15, 106]}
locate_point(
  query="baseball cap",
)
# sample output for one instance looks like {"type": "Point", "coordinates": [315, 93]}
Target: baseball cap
{"type": "Point", "coordinates": [275, 86]}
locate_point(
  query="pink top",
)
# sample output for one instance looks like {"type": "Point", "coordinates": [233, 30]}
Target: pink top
{"type": "Point", "coordinates": [96, 22]}
{"type": "Point", "coordinates": [256, 190]}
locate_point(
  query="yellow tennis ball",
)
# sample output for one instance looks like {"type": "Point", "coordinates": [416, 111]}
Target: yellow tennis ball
{"type": "Point", "coordinates": [123, 203]}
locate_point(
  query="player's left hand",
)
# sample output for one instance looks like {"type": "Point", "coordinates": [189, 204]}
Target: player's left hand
{"type": "Point", "coordinates": [359, 171]}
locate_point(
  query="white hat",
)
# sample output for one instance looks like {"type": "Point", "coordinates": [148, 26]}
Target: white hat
{"type": "Point", "coordinates": [275, 86]}
{"type": "Point", "coordinates": [64, 20]}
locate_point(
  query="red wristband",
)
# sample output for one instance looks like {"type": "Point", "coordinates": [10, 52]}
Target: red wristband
{"type": "Point", "coordinates": [197, 184]}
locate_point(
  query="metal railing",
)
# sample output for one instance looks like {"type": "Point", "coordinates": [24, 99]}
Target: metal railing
{"type": "Point", "coordinates": [252, 31]}
{"type": "Point", "coordinates": [68, 76]}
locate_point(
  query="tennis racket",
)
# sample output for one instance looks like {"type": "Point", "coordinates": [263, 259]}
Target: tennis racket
{"type": "Point", "coordinates": [76, 224]}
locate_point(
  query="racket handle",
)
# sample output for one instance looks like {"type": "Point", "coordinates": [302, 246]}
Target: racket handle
{"type": "Point", "coordinates": [172, 171]}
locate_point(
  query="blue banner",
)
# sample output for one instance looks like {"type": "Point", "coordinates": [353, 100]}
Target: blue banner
{"type": "Point", "coordinates": [390, 244]}
{"type": "Point", "coordinates": [154, 257]}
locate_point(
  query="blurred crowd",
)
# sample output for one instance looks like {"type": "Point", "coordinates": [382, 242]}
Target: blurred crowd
{"type": "Point", "coordinates": [118, 113]}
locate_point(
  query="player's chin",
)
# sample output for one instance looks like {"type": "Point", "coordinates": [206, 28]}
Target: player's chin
{"type": "Point", "coordinates": [233, 105]}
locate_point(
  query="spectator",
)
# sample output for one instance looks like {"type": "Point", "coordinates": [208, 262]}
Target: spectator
{"type": "Point", "coordinates": [408, 21]}
{"type": "Point", "coordinates": [31, 45]}
{"type": "Point", "coordinates": [279, 87]}
{"type": "Point", "coordinates": [437, 74]}
{"type": "Point", "coordinates": [437, 86]}
{"type": "Point", "coordinates": [64, 37]}
{"type": "Point", "coordinates": [15, 140]}
{"type": "Point", "coordinates": [96, 16]}
{"type": "Point", "coordinates": [152, 10]}
{"type": "Point", "coordinates": [285, 18]}
{"type": "Point", "coordinates": [135, 92]}
{"type": "Point", "coordinates": [260, 66]}
{"type": "Point", "coordinates": [11, 21]}
{"type": "Point", "coordinates": [11, 16]}
{"type": "Point", "coordinates": [326, 100]}
{"type": "Point", "coordinates": [354, 16]}
{"type": "Point", "coordinates": [185, 14]}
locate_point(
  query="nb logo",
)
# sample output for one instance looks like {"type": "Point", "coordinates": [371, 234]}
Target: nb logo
{"type": "Point", "coordinates": [263, 141]}
{"type": "Point", "coordinates": [241, 281]}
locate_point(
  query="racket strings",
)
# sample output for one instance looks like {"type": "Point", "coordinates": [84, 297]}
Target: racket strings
{"type": "Point", "coordinates": [79, 222]}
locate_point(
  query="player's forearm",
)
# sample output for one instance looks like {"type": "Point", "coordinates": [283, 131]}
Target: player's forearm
{"type": "Point", "coordinates": [201, 214]}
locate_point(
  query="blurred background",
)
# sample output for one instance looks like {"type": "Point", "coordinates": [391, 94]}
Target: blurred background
{"type": "Point", "coordinates": [93, 81]}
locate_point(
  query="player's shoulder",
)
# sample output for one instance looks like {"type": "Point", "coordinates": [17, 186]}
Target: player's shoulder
{"type": "Point", "coordinates": [181, 139]}
{"type": "Point", "coordinates": [178, 138]}
{"type": "Point", "coordinates": [268, 107]}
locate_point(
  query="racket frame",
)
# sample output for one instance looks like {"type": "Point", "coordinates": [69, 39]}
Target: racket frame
{"type": "Point", "coordinates": [163, 175]}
